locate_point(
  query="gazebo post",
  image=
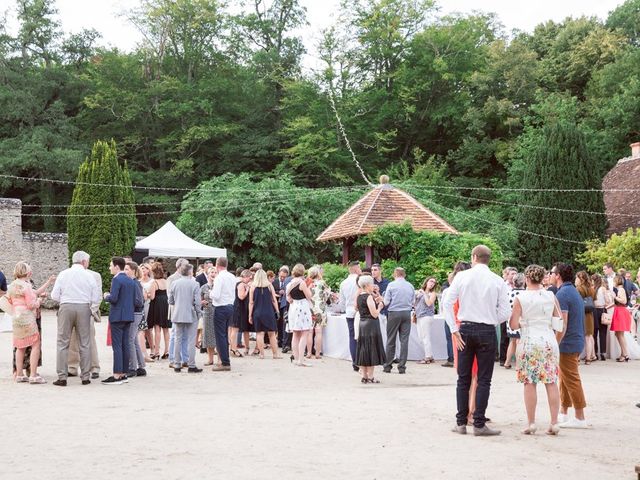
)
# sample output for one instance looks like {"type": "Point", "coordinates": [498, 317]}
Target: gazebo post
{"type": "Point", "coordinates": [368, 255]}
{"type": "Point", "coordinates": [346, 250]}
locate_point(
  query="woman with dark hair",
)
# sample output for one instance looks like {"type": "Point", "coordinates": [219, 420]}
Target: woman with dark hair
{"type": "Point", "coordinates": [587, 292]}
{"type": "Point", "coordinates": [537, 354]}
{"type": "Point", "coordinates": [370, 350]}
{"type": "Point", "coordinates": [602, 302]}
{"type": "Point", "coordinates": [425, 302]}
{"type": "Point", "coordinates": [621, 321]}
{"type": "Point", "coordinates": [159, 311]}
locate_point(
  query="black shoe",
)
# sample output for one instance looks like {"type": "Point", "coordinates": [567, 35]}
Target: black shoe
{"type": "Point", "coordinates": [112, 381]}
{"type": "Point", "coordinates": [402, 372]}
{"type": "Point", "coordinates": [194, 370]}
{"type": "Point", "coordinates": [185, 365]}
{"type": "Point", "coordinates": [72, 374]}
{"type": "Point", "coordinates": [356, 368]}
{"type": "Point", "coordinates": [177, 370]}
{"type": "Point", "coordinates": [395, 360]}
{"type": "Point", "coordinates": [502, 364]}
{"type": "Point", "coordinates": [60, 383]}
{"type": "Point", "coordinates": [447, 364]}
{"type": "Point", "coordinates": [131, 373]}
{"type": "Point", "coordinates": [638, 405]}
{"type": "Point", "coordinates": [125, 379]}
{"type": "Point", "coordinates": [141, 372]}
{"type": "Point", "coordinates": [602, 357]}
{"type": "Point", "coordinates": [286, 349]}
{"type": "Point", "coordinates": [386, 370]}
{"type": "Point", "coordinates": [86, 382]}
{"type": "Point", "coordinates": [95, 376]}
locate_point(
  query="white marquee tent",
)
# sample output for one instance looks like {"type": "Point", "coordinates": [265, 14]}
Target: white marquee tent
{"type": "Point", "coordinates": [169, 241]}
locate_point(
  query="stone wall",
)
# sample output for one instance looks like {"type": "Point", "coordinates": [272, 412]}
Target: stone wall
{"type": "Point", "coordinates": [46, 252]}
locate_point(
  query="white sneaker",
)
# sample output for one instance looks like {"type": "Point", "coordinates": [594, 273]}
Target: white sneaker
{"type": "Point", "coordinates": [574, 423]}
{"type": "Point", "coordinates": [563, 417]}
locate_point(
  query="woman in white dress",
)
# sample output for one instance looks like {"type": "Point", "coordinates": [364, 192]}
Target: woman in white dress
{"type": "Point", "coordinates": [537, 353]}
{"type": "Point", "coordinates": [299, 320]}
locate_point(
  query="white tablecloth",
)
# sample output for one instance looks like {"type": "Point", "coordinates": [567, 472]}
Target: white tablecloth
{"type": "Point", "coordinates": [335, 339]}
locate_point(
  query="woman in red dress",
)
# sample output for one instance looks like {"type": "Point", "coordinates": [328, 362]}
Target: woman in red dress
{"type": "Point", "coordinates": [621, 321]}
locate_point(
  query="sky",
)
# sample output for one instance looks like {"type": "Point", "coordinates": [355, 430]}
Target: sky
{"type": "Point", "coordinates": [106, 16]}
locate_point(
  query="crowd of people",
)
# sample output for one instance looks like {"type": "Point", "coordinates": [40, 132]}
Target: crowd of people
{"type": "Point", "coordinates": [545, 320]}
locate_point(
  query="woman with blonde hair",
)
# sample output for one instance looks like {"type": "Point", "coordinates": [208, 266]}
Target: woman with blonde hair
{"type": "Point", "coordinates": [300, 322]}
{"type": "Point", "coordinates": [621, 321]}
{"type": "Point", "coordinates": [21, 303]}
{"type": "Point", "coordinates": [370, 350]}
{"type": "Point", "coordinates": [537, 353]}
{"type": "Point", "coordinates": [263, 312]}
{"type": "Point", "coordinates": [320, 294]}
{"type": "Point", "coordinates": [587, 292]}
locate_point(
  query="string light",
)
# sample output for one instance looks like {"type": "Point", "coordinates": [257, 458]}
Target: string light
{"type": "Point", "coordinates": [289, 197]}
{"type": "Point", "coordinates": [346, 139]}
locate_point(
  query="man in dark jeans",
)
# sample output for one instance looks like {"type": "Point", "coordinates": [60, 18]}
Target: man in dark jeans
{"type": "Point", "coordinates": [484, 304]}
{"type": "Point", "coordinates": [280, 287]}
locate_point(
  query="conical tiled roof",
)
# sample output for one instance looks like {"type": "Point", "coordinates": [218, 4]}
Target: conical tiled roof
{"type": "Point", "coordinates": [382, 205]}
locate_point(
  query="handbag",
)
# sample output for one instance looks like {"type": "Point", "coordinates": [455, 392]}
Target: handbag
{"type": "Point", "coordinates": [589, 306]}
{"type": "Point", "coordinates": [606, 318]}
{"type": "Point", "coordinates": [557, 324]}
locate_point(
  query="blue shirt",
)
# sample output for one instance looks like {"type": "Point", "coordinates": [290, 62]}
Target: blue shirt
{"type": "Point", "coordinates": [399, 296]}
{"type": "Point", "coordinates": [571, 302]}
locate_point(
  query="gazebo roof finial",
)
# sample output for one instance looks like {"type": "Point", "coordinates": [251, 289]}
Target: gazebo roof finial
{"type": "Point", "coordinates": [384, 179]}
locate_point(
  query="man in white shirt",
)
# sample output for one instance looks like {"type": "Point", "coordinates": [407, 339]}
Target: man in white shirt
{"type": "Point", "coordinates": [74, 352]}
{"type": "Point", "coordinates": [348, 289]}
{"type": "Point", "coordinates": [484, 304]}
{"type": "Point", "coordinates": [76, 291]}
{"type": "Point", "coordinates": [223, 296]}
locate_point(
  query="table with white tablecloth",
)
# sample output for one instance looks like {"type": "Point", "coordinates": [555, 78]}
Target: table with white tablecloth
{"type": "Point", "coordinates": [335, 339]}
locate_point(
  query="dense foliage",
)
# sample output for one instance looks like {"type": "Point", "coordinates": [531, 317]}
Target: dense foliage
{"type": "Point", "coordinates": [215, 87]}
{"type": "Point", "coordinates": [271, 221]}
{"type": "Point", "coordinates": [102, 219]}
{"type": "Point", "coordinates": [424, 254]}
{"type": "Point", "coordinates": [622, 250]}
{"type": "Point", "coordinates": [561, 161]}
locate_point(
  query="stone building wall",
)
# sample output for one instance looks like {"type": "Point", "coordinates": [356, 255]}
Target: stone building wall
{"type": "Point", "coordinates": [46, 252]}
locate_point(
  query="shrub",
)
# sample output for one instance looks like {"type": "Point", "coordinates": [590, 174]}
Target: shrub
{"type": "Point", "coordinates": [622, 250]}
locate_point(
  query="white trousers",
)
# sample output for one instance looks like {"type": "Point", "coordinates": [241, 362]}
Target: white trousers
{"type": "Point", "coordinates": [423, 325]}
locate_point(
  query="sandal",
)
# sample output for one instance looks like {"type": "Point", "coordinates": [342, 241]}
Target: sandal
{"type": "Point", "coordinates": [508, 367]}
{"type": "Point", "coordinates": [164, 356]}
{"type": "Point", "coordinates": [261, 356]}
{"type": "Point", "coordinates": [37, 380]}
{"type": "Point", "coordinates": [364, 380]}
{"type": "Point", "coordinates": [236, 353]}
{"type": "Point", "coordinates": [22, 379]}
{"type": "Point", "coordinates": [553, 429]}
{"type": "Point", "coordinates": [277, 357]}
{"type": "Point", "coordinates": [423, 362]}
{"type": "Point", "coordinates": [373, 380]}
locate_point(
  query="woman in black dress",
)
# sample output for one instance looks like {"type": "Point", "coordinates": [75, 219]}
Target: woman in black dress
{"type": "Point", "coordinates": [240, 319]}
{"type": "Point", "coordinates": [370, 349]}
{"type": "Point", "coordinates": [159, 311]}
{"type": "Point", "coordinates": [263, 312]}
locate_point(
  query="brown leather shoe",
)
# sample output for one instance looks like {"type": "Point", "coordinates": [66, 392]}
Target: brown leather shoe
{"type": "Point", "coordinates": [221, 368]}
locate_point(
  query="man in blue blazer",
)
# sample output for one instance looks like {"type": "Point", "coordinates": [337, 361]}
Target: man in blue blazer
{"type": "Point", "coordinates": [123, 303]}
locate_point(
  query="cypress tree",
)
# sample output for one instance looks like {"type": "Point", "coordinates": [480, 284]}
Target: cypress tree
{"type": "Point", "coordinates": [560, 161]}
{"type": "Point", "coordinates": [103, 187]}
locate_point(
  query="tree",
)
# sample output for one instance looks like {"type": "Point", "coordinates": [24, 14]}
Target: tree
{"type": "Point", "coordinates": [622, 250]}
{"type": "Point", "coordinates": [626, 18]}
{"type": "Point", "coordinates": [560, 161]}
{"type": "Point", "coordinates": [101, 219]}
{"type": "Point", "coordinates": [271, 221]}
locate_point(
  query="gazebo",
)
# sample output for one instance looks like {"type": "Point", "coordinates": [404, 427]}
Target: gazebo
{"type": "Point", "coordinates": [384, 204]}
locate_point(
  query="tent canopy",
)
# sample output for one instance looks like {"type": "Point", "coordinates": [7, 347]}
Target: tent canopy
{"type": "Point", "coordinates": [169, 241]}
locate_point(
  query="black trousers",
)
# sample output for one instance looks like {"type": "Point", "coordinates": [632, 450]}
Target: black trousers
{"type": "Point", "coordinates": [504, 342]}
{"type": "Point", "coordinates": [599, 332]}
{"type": "Point", "coordinates": [481, 343]}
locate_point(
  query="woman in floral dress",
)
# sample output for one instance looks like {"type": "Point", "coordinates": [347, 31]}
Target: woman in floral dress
{"type": "Point", "coordinates": [320, 294]}
{"type": "Point", "coordinates": [537, 354]}
{"type": "Point", "coordinates": [22, 303]}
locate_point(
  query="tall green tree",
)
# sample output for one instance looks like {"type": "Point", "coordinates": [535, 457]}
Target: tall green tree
{"type": "Point", "coordinates": [101, 218]}
{"type": "Point", "coordinates": [560, 161]}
